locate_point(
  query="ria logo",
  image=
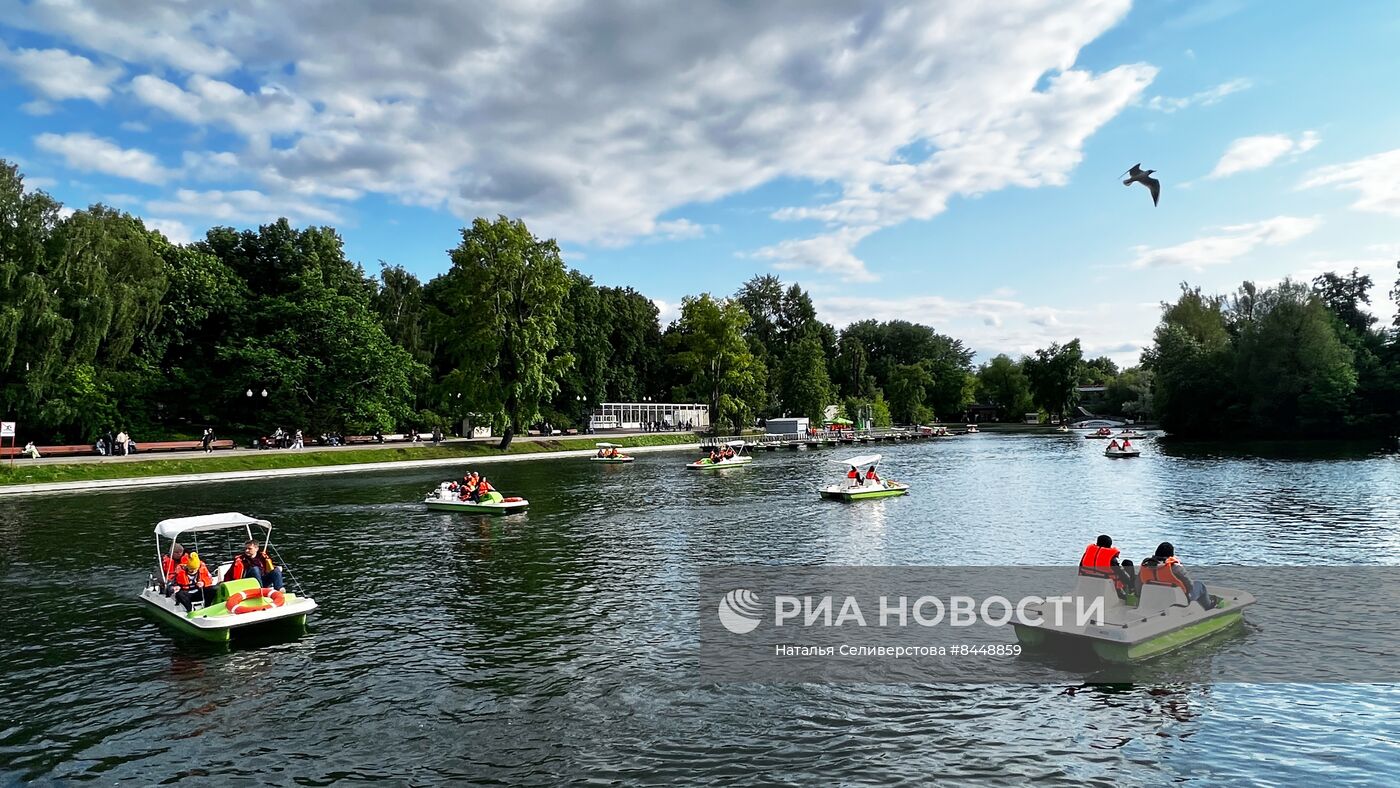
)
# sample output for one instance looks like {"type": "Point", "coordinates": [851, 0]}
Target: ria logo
{"type": "Point", "coordinates": [739, 611]}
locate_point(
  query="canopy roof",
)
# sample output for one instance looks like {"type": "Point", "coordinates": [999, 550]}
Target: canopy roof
{"type": "Point", "coordinates": [609, 446]}
{"type": "Point", "coordinates": [207, 522]}
{"type": "Point", "coordinates": [864, 459]}
{"type": "Point", "coordinates": [735, 443]}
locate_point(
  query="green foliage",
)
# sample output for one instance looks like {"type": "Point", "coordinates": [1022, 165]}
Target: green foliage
{"type": "Point", "coordinates": [708, 345]}
{"type": "Point", "coordinates": [1002, 382]}
{"type": "Point", "coordinates": [496, 315]}
{"type": "Point", "coordinates": [804, 387]}
{"type": "Point", "coordinates": [1053, 374]}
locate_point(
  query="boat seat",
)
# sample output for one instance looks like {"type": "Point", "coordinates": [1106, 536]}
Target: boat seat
{"type": "Point", "coordinates": [1091, 587]}
{"type": "Point", "coordinates": [1156, 597]}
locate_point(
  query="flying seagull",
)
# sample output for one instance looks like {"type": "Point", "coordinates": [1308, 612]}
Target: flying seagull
{"type": "Point", "coordinates": [1136, 174]}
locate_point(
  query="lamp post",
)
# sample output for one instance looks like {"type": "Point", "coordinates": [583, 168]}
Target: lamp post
{"type": "Point", "coordinates": [261, 397]}
{"type": "Point", "coordinates": [582, 400]}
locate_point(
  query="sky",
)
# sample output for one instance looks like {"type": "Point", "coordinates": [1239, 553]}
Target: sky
{"type": "Point", "coordinates": [951, 163]}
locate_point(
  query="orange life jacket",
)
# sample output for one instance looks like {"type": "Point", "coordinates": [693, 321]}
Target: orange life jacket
{"type": "Point", "coordinates": [1098, 562]}
{"type": "Point", "coordinates": [484, 487]}
{"type": "Point", "coordinates": [168, 565]}
{"type": "Point", "coordinates": [1162, 574]}
{"type": "Point", "coordinates": [854, 474]}
{"type": "Point", "coordinates": [182, 576]}
{"type": "Point", "coordinates": [870, 474]}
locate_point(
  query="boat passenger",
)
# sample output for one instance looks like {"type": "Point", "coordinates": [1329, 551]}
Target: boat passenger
{"type": "Point", "coordinates": [1163, 568]}
{"type": "Point", "coordinates": [854, 475]}
{"type": "Point", "coordinates": [255, 562]}
{"type": "Point", "coordinates": [168, 563]}
{"type": "Point", "coordinates": [714, 456]}
{"type": "Point", "coordinates": [1113, 445]}
{"type": "Point", "coordinates": [484, 487]}
{"type": "Point", "coordinates": [871, 475]}
{"type": "Point", "coordinates": [601, 454]}
{"type": "Point", "coordinates": [190, 578]}
{"type": "Point", "coordinates": [1127, 444]}
{"type": "Point", "coordinates": [1100, 559]}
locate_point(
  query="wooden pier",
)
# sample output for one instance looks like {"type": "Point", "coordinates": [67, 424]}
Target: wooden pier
{"type": "Point", "coordinates": [827, 439]}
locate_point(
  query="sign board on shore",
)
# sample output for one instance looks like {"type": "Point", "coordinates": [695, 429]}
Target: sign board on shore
{"type": "Point", "coordinates": [7, 429]}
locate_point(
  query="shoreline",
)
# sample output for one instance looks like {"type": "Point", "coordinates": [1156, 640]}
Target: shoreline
{"type": "Point", "coordinates": [49, 488]}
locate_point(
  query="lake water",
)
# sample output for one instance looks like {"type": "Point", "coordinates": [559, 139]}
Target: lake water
{"type": "Point", "coordinates": [561, 645]}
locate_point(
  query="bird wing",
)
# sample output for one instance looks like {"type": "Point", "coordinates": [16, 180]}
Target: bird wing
{"type": "Point", "coordinates": [1154, 186]}
{"type": "Point", "coordinates": [1133, 171]}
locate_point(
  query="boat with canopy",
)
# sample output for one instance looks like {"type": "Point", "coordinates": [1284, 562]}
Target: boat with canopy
{"type": "Point", "coordinates": [717, 460]}
{"type": "Point", "coordinates": [234, 608]}
{"type": "Point", "coordinates": [860, 485]}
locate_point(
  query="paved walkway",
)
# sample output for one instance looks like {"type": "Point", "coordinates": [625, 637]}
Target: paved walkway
{"type": "Point", "coordinates": [314, 470]}
{"type": "Point", "coordinates": [140, 456]}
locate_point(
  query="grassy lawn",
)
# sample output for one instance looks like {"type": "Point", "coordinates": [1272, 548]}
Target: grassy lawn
{"type": "Point", "coordinates": [19, 473]}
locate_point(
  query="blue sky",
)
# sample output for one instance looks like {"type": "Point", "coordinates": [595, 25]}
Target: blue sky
{"type": "Point", "coordinates": [937, 162]}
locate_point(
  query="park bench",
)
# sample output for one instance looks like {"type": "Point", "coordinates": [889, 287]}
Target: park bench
{"type": "Point", "coordinates": [141, 448]}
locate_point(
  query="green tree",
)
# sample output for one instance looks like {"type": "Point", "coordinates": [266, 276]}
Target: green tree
{"type": "Point", "coordinates": [1192, 358]}
{"type": "Point", "coordinates": [909, 387]}
{"type": "Point", "coordinates": [1346, 297]}
{"type": "Point", "coordinates": [1053, 374]}
{"type": "Point", "coordinates": [497, 313]}
{"type": "Point", "coordinates": [709, 347]}
{"type": "Point", "coordinates": [1294, 371]}
{"type": "Point", "coordinates": [804, 388]}
{"type": "Point", "coordinates": [1002, 383]}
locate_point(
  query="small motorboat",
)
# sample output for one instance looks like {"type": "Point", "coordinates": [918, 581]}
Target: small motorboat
{"type": "Point", "coordinates": [1062, 428]}
{"type": "Point", "coordinates": [1129, 433]}
{"type": "Point", "coordinates": [238, 608]}
{"type": "Point", "coordinates": [1103, 433]}
{"type": "Point", "coordinates": [1125, 450]}
{"type": "Point", "coordinates": [608, 453]}
{"type": "Point", "coordinates": [740, 458]}
{"type": "Point", "coordinates": [861, 486]}
{"type": "Point", "coordinates": [447, 498]}
{"type": "Point", "coordinates": [972, 429]}
{"type": "Point", "coordinates": [1157, 621]}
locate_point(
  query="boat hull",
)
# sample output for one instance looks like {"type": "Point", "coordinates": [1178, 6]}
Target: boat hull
{"type": "Point", "coordinates": [612, 460]}
{"type": "Point", "coordinates": [1128, 653]}
{"type": "Point", "coordinates": [504, 507]}
{"type": "Point", "coordinates": [225, 628]}
{"type": "Point", "coordinates": [1122, 454]}
{"type": "Point", "coordinates": [706, 465]}
{"type": "Point", "coordinates": [857, 494]}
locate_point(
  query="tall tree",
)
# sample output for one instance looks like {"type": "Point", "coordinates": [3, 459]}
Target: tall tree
{"type": "Point", "coordinates": [1053, 374]}
{"type": "Point", "coordinates": [708, 345]}
{"type": "Point", "coordinates": [803, 384]}
{"type": "Point", "coordinates": [1002, 383]}
{"type": "Point", "coordinates": [497, 318]}
{"type": "Point", "coordinates": [1346, 297]}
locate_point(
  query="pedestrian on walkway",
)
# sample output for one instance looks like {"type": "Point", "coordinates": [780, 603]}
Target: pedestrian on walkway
{"type": "Point", "coordinates": [207, 441]}
{"type": "Point", "coordinates": [296, 441]}
{"type": "Point", "coordinates": [121, 443]}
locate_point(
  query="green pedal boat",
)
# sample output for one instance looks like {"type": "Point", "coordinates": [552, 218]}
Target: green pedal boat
{"type": "Point", "coordinates": [1160, 622]}
{"type": "Point", "coordinates": [447, 499]}
{"type": "Point", "coordinates": [861, 485]}
{"type": "Point", "coordinates": [608, 454]}
{"type": "Point", "coordinates": [236, 608]}
{"type": "Point", "coordinates": [739, 458]}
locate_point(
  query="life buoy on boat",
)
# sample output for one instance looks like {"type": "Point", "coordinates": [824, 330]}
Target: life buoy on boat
{"type": "Point", "coordinates": [512, 499]}
{"type": "Point", "coordinates": [235, 603]}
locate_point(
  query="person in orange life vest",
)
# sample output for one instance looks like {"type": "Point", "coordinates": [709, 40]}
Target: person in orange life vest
{"type": "Point", "coordinates": [854, 476]}
{"type": "Point", "coordinates": [168, 563]}
{"type": "Point", "coordinates": [1100, 559]}
{"type": "Point", "coordinates": [189, 578]}
{"type": "Point", "coordinates": [255, 562]}
{"type": "Point", "coordinates": [1113, 444]}
{"type": "Point", "coordinates": [871, 475]}
{"type": "Point", "coordinates": [483, 488]}
{"type": "Point", "coordinates": [1127, 444]}
{"type": "Point", "coordinates": [1163, 568]}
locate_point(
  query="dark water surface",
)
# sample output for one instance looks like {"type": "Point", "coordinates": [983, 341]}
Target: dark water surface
{"type": "Point", "coordinates": [560, 645]}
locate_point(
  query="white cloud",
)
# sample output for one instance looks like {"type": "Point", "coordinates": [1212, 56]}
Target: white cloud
{"type": "Point", "coordinates": [1252, 153]}
{"type": "Point", "coordinates": [1230, 244]}
{"type": "Point", "coordinates": [993, 325]}
{"type": "Point", "coordinates": [1375, 178]}
{"type": "Point", "coordinates": [667, 312]}
{"type": "Point", "coordinates": [89, 153]}
{"type": "Point", "coordinates": [174, 231]}
{"type": "Point", "coordinates": [1204, 98]}
{"type": "Point", "coordinates": [242, 205]}
{"type": "Point", "coordinates": [59, 74]}
{"type": "Point", "coordinates": [591, 121]}
{"type": "Point", "coordinates": [831, 253]}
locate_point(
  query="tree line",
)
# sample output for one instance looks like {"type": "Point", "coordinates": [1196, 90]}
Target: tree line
{"type": "Point", "coordinates": [104, 323]}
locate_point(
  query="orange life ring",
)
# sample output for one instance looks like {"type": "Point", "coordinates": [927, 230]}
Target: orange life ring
{"type": "Point", "coordinates": [512, 499]}
{"type": "Point", "coordinates": [274, 598]}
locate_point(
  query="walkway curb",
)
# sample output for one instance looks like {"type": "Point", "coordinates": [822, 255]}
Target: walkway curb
{"type": "Point", "coordinates": [311, 470]}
